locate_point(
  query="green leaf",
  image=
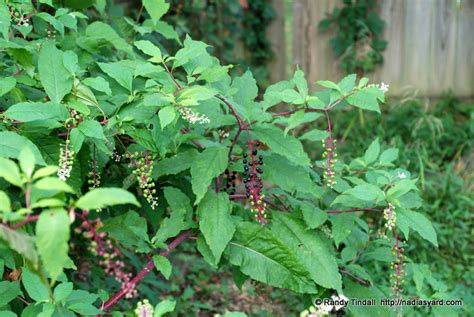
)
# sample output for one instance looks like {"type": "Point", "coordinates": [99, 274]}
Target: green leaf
{"type": "Point", "coordinates": [11, 145]}
{"type": "Point", "coordinates": [128, 228]}
{"type": "Point", "coordinates": [6, 83]}
{"type": "Point", "coordinates": [164, 307]}
{"type": "Point", "coordinates": [32, 111]}
{"type": "Point", "coordinates": [163, 265]}
{"type": "Point", "coordinates": [4, 21]}
{"type": "Point", "coordinates": [34, 286]}
{"type": "Point", "coordinates": [52, 235]}
{"type": "Point", "coordinates": [315, 135]}
{"type": "Point", "coordinates": [355, 290]}
{"type": "Point", "coordinates": [99, 84]}
{"type": "Point", "coordinates": [246, 89]}
{"type": "Point", "coordinates": [294, 120]}
{"type": "Point", "coordinates": [20, 243]}
{"type": "Point", "coordinates": [10, 172]}
{"type": "Point", "coordinates": [265, 258]}
{"type": "Point", "coordinates": [366, 192]}
{"type": "Point", "coordinates": [92, 129]}
{"type": "Point", "coordinates": [364, 99]}
{"type": "Point", "coordinates": [5, 203]}
{"type": "Point", "coordinates": [8, 292]}
{"type": "Point", "coordinates": [99, 30]}
{"type": "Point", "coordinates": [167, 115]}
{"type": "Point", "coordinates": [313, 216]}
{"type": "Point", "coordinates": [342, 225]}
{"type": "Point", "coordinates": [401, 188]}
{"type": "Point", "coordinates": [215, 221]}
{"type": "Point", "coordinates": [45, 171]}
{"type": "Point", "coordinates": [56, 79]}
{"type": "Point", "coordinates": [329, 84]}
{"type": "Point", "coordinates": [301, 83]}
{"type": "Point", "coordinates": [388, 156]}
{"type": "Point", "coordinates": [118, 71]}
{"type": "Point", "coordinates": [286, 146]}
{"type": "Point", "coordinates": [207, 165]}
{"type": "Point", "coordinates": [150, 49]}
{"type": "Point", "coordinates": [53, 183]}
{"type": "Point", "coordinates": [176, 164]}
{"type": "Point", "coordinates": [205, 251]}
{"type": "Point", "coordinates": [62, 291]}
{"type": "Point", "coordinates": [156, 8]}
{"type": "Point", "coordinates": [104, 197]}
{"type": "Point", "coordinates": [372, 152]}
{"type": "Point", "coordinates": [419, 223]}
{"type": "Point", "coordinates": [347, 83]}
{"type": "Point", "coordinates": [27, 161]}
{"type": "Point", "coordinates": [311, 248]}
{"type": "Point", "coordinates": [82, 302]}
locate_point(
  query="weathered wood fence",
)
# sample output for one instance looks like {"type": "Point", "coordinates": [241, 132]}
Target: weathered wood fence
{"type": "Point", "coordinates": [430, 44]}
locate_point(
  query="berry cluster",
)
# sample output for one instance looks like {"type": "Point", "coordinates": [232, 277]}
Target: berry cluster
{"type": "Point", "coordinates": [109, 255]}
{"type": "Point", "coordinates": [144, 309]}
{"type": "Point", "coordinates": [398, 266]}
{"type": "Point", "coordinates": [331, 158]}
{"type": "Point", "coordinates": [390, 217]}
{"type": "Point", "coordinates": [230, 185]}
{"type": "Point", "coordinates": [19, 18]}
{"type": "Point", "coordinates": [143, 168]}
{"type": "Point", "coordinates": [75, 118]}
{"type": "Point", "coordinates": [94, 176]}
{"type": "Point", "coordinates": [66, 160]}
{"type": "Point", "coordinates": [253, 182]}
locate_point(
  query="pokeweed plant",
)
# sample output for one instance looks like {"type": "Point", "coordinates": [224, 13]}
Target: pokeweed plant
{"type": "Point", "coordinates": [113, 147]}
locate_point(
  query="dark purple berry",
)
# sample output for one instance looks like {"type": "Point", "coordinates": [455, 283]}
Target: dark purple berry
{"type": "Point", "coordinates": [254, 152]}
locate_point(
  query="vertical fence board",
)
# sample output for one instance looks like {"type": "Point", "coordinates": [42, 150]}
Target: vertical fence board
{"type": "Point", "coordinates": [430, 45]}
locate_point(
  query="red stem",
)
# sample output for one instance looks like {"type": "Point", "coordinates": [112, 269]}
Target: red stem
{"type": "Point", "coordinates": [144, 272]}
{"type": "Point", "coordinates": [28, 219]}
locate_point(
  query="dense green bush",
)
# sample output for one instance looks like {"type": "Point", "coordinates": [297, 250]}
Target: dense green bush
{"type": "Point", "coordinates": [114, 151]}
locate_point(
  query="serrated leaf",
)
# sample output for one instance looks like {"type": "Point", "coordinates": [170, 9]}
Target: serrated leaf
{"type": "Point", "coordinates": [310, 247]}
{"type": "Point", "coordinates": [52, 235]}
{"type": "Point", "coordinates": [372, 152]}
{"type": "Point", "coordinates": [105, 197]}
{"type": "Point", "coordinates": [207, 165]}
{"type": "Point", "coordinates": [156, 8]}
{"type": "Point", "coordinates": [56, 79]}
{"type": "Point", "coordinates": [265, 258]}
{"type": "Point", "coordinates": [215, 221]}
{"type": "Point", "coordinates": [286, 146]}
{"type": "Point", "coordinates": [163, 265]}
{"type": "Point", "coordinates": [419, 223]}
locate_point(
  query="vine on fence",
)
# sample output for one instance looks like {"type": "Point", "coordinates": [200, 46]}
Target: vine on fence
{"type": "Point", "coordinates": [250, 196]}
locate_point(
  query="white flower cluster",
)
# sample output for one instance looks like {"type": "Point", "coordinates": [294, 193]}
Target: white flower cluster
{"type": "Point", "coordinates": [381, 86]}
{"type": "Point", "coordinates": [401, 175]}
{"type": "Point", "coordinates": [66, 160]}
{"type": "Point", "coordinates": [144, 309]}
{"type": "Point", "coordinates": [223, 134]}
{"type": "Point", "coordinates": [390, 217]}
{"type": "Point", "coordinates": [326, 307]}
{"type": "Point", "coordinates": [191, 116]}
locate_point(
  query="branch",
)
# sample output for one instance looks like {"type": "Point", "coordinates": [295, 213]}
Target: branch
{"type": "Point", "coordinates": [28, 219]}
{"type": "Point", "coordinates": [355, 277]}
{"type": "Point", "coordinates": [284, 113]}
{"type": "Point", "coordinates": [144, 272]}
{"type": "Point", "coordinates": [243, 197]}
{"type": "Point", "coordinates": [334, 211]}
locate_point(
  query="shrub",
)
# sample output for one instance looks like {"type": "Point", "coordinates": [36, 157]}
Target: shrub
{"type": "Point", "coordinates": [114, 151]}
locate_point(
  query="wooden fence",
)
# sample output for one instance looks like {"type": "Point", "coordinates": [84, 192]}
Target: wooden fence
{"type": "Point", "coordinates": [430, 44]}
